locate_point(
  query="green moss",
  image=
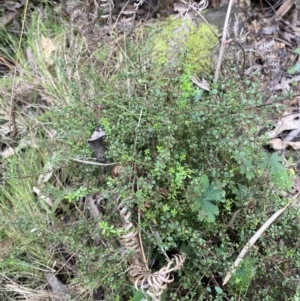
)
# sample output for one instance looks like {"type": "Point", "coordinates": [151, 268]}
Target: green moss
{"type": "Point", "coordinates": [199, 44]}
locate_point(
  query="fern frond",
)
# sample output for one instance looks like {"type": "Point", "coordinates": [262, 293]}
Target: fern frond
{"type": "Point", "coordinates": [76, 18]}
{"type": "Point", "coordinates": [185, 7]}
{"type": "Point", "coordinates": [73, 6]}
{"type": "Point", "coordinates": [264, 50]}
{"type": "Point", "coordinates": [107, 6]}
{"type": "Point", "coordinates": [116, 170]}
{"type": "Point", "coordinates": [273, 64]}
{"type": "Point", "coordinates": [271, 56]}
{"type": "Point", "coordinates": [235, 27]}
{"type": "Point", "coordinates": [264, 47]}
{"type": "Point", "coordinates": [138, 4]}
{"type": "Point", "coordinates": [157, 282]}
{"type": "Point", "coordinates": [181, 8]}
{"type": "Point", "coordinates": [201, 5]}
{"type": "Point", "coordinates": [130, 239]}
{"type": "Point", "coordinates": [239, 35]}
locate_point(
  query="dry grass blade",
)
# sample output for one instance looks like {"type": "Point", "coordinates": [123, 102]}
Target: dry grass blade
{"type": "Point", "coordinates": [26, 293]}
{"type": "Point", "coordinates": [12, 113]}
{"type": "Point", "coordinates": [253, 240]}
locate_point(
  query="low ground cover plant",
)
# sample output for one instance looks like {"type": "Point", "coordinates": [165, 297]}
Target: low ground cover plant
{"type": "Point", "coordinates": [187, 164]}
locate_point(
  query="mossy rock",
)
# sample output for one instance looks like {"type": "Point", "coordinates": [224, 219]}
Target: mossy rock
{"type": "Point", "coordinates": [199, 44]}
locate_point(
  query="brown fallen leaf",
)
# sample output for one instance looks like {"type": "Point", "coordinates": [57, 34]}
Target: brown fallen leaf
{"type": "Point", "coordinates": [290, 120]}
{"type": "Point", "coordinates": [286, 84]}
{"type": "Point", "coordinates": [292, 135]}
{"type": "Point", "coordinates": [284, 125]}
{"type": "Point", "coordinates": [203, 84]}
{"type": "Point", "coordinates": [284, 8]}
{"type": "Point", "coordinates": [278, 144]}
{"type": "Point", "coordinates": [293, 103]}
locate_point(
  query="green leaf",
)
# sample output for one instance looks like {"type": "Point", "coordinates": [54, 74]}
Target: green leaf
{"type": "Point", "coordinates": [138, 296]}
{"type": "Point", "coordinates": [219, 290]}
{"type": "Point", "coordinates": [209, 211]}
{"type": "Point", "coordinates": [273, 161]}
{"type": "Point", "coordinates": [244, 273]}
{"type": "Point", "coordinates": [206, 195]}
{"type": "Point", "coordinates": [246, 165]}
{"type": "Point", "coordinates": [276, 169]}
{"type": "Point", "coordinates": [211, 192]}
{"type": "Point", "coordinates": [198, 95]}
{"type": "Point", "coordinates": [297, 67]}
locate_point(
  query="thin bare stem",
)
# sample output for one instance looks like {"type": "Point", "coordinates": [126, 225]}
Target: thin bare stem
{"type": "Point", "coordinates": [93, 163]}
{"type": "Point", "coordinates": [255, 237]}
{"type": "Point", "coordinates": [140, 239]}
{"type": "Point", "coordinates": [223, 42]}
{"type": "Point", "coordinates": [205, 21]}
{"type": "Point", "coordinates": [12, 116]}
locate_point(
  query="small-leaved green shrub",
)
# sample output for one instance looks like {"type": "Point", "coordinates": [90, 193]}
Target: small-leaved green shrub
{"type": "Point", "coordinates": [190, 161]}
{"type": "Point", "coordinates": [191, 170]}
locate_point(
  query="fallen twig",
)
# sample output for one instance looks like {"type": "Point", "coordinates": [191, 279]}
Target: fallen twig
{"type": "Point", "coordinates": [223, 42]}
{"type": "Point", "coordinates": [93, 163]}
{"type": "Point", "coordinates": [254, 238]}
